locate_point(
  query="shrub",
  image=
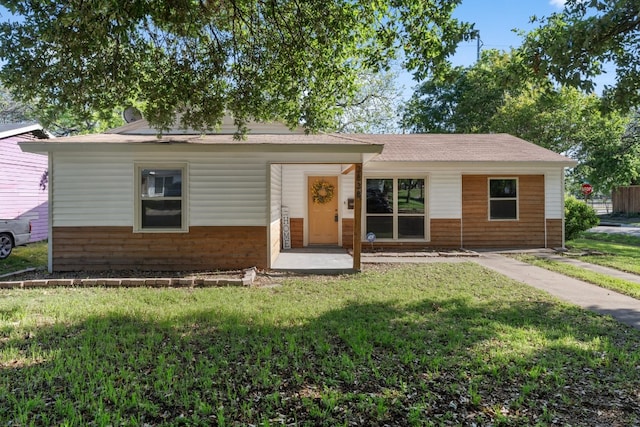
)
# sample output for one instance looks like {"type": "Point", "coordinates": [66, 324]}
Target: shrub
{"type": "Point", "coordinates": [578, 217]}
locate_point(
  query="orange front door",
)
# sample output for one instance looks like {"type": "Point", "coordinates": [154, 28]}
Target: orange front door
{"type": "Point", "coordinates": [323, 210]}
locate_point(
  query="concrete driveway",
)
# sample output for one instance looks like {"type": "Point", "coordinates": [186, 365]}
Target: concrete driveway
{"type": "Point", "coordinates": [622, 229]}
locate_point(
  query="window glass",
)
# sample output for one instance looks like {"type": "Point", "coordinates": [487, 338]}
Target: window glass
{"type": "Point", "coordinates": [396, 208]}
{"type": "Point", "coordinates": [411, 196]}
{"type": "Point", "coordinates": [161, 183]}
{"type": "Point", "coordinates": [161, 203]}
{"type": "Point", "coordinates": [381, 226]}
{"type": "Point", "coordinates": [161, 213]}
{"type": "Point", "coordinates": [379, 196]}
{"type": "Point", "coordinates": [503, 199]}
{"type": "Point", "coordinates": [411, 227]}
{"type": "Point", "coordinates": [504, 209]}
{"type": "Point", "coordinates": [502, 188]}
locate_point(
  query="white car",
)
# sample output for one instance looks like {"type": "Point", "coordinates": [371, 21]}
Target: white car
{"type": "Point", "coordinates": [13, 232]}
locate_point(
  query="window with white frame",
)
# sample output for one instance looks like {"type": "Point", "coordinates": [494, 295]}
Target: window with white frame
{"type": "Point", "coordinates": [395, 208]}
{"type": "Point", "coordinates": [503, 199]}
{"type": "Point", "coordinates": [161, 198]}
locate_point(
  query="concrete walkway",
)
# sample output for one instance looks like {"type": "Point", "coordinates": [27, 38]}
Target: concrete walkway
{"type": "Point", "coordinates": [621, 307]}
{"type": "Point", "coordinates": [630, 277]}
{"type": "Point", "coordinates": [629, 230]}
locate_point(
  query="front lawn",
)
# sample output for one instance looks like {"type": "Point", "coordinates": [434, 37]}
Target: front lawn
{"type": "Point", "coordinates": [33, 255]}
{"type": "Point", "coordinates": [618, 251]}
{"type": "Point", "coordinates": [432, 344]}
{"type": "Point", "coordinates": [603, 280]}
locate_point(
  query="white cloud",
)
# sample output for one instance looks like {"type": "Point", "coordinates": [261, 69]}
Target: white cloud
{"type": "Point", "coordinates": [558, 3]}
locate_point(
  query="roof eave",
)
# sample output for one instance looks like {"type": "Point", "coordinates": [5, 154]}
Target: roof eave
{"type": "Point", "coordinates": [560, 162]}
{"type": "Point", "coordinates": [44, 147]}
{"type": "Point", "coordinates": [19, 131]}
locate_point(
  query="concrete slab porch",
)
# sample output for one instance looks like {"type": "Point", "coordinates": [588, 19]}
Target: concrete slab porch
{"type": "Point", "coordinates": [315, 260]}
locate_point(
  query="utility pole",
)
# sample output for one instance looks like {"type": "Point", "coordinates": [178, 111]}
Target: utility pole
{"type": "Point", "coordinates": [476, 34]}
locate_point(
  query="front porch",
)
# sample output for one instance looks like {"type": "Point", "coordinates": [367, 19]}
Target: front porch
{"type": "Point", "coordinates": [315, 260]}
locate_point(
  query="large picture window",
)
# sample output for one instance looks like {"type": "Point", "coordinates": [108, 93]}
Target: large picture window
{"type": "Point", "coordinates": [161, 198]}
{"type": "Point", "coordinates": [503, 199]}
{"type": "Point", "coordinates": [395, 208]}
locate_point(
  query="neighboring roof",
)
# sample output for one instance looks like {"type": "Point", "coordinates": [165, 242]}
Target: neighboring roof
{"type": "Point", "coordinates": [498, 147]}
{"type": "Point", "coordinates": [7, 130]}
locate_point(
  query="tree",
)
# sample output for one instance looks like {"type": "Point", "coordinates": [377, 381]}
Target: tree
{"type": "Point", "coordinates": [497, 95]}
{"type": "Point", "coordinates": [432, 107]}
{"type": "Point", "coordinates": [373, 108]}
{"type": "Point", "coordinates": [566, 120]}
{"type": "Point", "coordinates": [12, 111]}
{"type": "Point", "coordinates": [58, 123]}
{"type": "Point", "coordinates": [295, 61]}
{"type": "Point", "coordinates": [573, 47]}
{"type": "Point", "coordinates": [465, 99]}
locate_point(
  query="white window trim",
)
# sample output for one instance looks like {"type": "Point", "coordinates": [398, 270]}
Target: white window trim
{"type": "Point", "coordinates": [489, 199]}
{"type": "Point", "coordinates": [395, 214]}
{"type": "Point", "coordinates": [137, 211]}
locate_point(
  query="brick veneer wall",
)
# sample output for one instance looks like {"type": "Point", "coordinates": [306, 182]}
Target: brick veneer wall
{"type": "Point", "coordinates": [297, 232]}
{"type": "Point", "coordinates": [118, 248]}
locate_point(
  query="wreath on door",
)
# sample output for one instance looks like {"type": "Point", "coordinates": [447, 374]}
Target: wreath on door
{"type": "Point", "coordinates": [322, 192]}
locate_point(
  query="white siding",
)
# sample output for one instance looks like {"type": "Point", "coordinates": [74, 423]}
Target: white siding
{"type": "Point", "coordinates": [445, 195]}
{"type": "Point", "coordinates": [92, 189]}
{"type": "Point", "coordinates": [347, 187]}
{"type": "Point", "coordinates": [97, 189]}
{"type": "Point", "coordinates": [228, 189]}
{"type": "Point", "coordinates": [554, 194]}
{"type": "Point", "coordinates": [276, 192]}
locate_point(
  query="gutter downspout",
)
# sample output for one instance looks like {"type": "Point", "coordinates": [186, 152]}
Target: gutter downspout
{"type": "Point", "coordinates": [50, 214]}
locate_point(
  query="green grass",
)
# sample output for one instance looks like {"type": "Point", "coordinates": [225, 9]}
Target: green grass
{"type": "Point", "coordinates": [621, 252]}
{"type": "Point", "coordinates": [603, 280]}
{"type": "Point", "coordinates": [432, 344]}
{"type": "Point", "coordinates": [33, 255]}
{"type": "Point", "coordinates": [618, 251]}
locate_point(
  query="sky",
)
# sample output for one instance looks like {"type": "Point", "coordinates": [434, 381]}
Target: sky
{"type": "Point", "coordinates": [495, 20]}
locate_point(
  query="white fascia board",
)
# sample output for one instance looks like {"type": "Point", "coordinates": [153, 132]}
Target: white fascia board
{"type": "Point", "coordinates": [472, 167]}
{"type": "Point", "coordinates": [44, 147]}
{"type": "Point", "coordinates": [18, 131]}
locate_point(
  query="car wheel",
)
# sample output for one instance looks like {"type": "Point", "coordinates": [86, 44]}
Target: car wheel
{"type": "Point", "coordinates": [6, 244]}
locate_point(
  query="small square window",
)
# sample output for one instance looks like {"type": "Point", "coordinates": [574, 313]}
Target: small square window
{"type": "Point", "coordinates": [503, 199]}
{"type": "Point", "coordinates": [160, 199]}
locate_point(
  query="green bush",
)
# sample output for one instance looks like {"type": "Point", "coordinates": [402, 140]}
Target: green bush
{"type": "Point", "coordinates": [578, 217]}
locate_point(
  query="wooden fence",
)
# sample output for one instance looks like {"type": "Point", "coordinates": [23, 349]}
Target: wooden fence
{"type": "Point", "coordinates": [626, 199]}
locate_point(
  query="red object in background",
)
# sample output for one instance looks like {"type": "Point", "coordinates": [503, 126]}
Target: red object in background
{"type": "Point", "coordinates": [586, 189]}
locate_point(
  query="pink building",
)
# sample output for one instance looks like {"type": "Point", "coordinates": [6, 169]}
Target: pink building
{"type": "Point", "coordinates": [23, 178]}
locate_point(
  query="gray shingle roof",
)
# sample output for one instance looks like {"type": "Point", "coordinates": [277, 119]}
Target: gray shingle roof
{"type": "Point", "coordinates": [499, 147]}
{"type": "Point", "coordinates": [397, 148]}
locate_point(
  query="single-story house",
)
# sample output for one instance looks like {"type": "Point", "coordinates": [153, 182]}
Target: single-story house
{"type": "Point", "coordinates": [128, 199]}
{"type": "Point", "coordinates": [23, 192]}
